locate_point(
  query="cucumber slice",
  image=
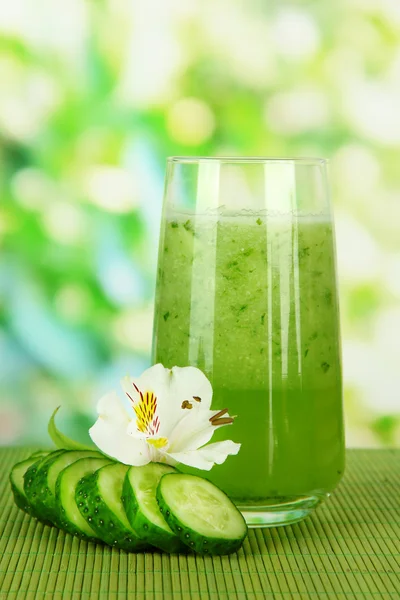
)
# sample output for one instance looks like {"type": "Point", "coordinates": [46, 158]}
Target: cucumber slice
{"type": "Point", "coordinates": [98, 496]}
{"type": "Point", "coordinates": [31, 488]}
{"type": "Point", "coordinates": [40, 481]}
{"type": "Point", "coordinates": [139, 500]}
{"type": "Point", "coordinates": [17, 483]}
{"type": "Point", "coordinates": [39, 453]}
{"type": "Point", "coordinates": [69, 516]}
{"type": "Point", "coordinates": [201, 514]}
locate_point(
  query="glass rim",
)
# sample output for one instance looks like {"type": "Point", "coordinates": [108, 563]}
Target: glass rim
{"type": "Point", "coordinates": [310, 161]}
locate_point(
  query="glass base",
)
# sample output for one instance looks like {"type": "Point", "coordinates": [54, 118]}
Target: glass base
{"type": "Point", "coordinates": [280, 511]}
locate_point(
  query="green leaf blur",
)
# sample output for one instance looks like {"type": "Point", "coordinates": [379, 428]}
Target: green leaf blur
{"type": "Point", "coordinates": [95, 95]}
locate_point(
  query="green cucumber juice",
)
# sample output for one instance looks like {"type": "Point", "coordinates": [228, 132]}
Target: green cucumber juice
{"type": "Point", "coordinates": [251, 301]}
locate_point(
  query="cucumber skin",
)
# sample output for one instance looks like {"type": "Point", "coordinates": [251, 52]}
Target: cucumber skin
{"type": "Point", "coordinates": [105, 524]}
{"type": "Point", "coordinates": [147, 531]}
{"type": "Point", "coordinates": [20, 500]}
{"type": "Point", "coordinates": [36, 490]}
{"type": "Point", "coordinates": [40, 453]}
{"type": "Point", "coordinates": [46, 499]}
{"type": "Point", "coordinates": [194, 540]}
{"type": "Point", "coordinates": [66, 525]}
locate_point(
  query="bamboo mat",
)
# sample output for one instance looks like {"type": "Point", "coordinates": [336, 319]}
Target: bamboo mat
{"type": "Point", "coordinates": [349, 549]}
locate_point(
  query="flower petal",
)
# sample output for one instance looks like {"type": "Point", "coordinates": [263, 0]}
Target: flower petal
{"type": "Point", "coordinates": [110, 406]}
{"type": "Point", "coordinates": [188, 383]}
{"type": "Point", "coordinates": [205, 458]}
{"type": "Point", "coordinates": [193, 430]}
{"type": "Point", "coordinates": [109, 433]}
{"type": "Point", "coordinates": [154, 379]}
{"type": "Point", "coordinates": [174, 389]}
{"type": "Point", "coordinates": [219, 451]}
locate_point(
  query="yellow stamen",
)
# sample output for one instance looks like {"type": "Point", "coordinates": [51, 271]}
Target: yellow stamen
{"type": "Point", "coordinates": [158, 442]}
{"type": "Point", "coordinates": [187, 404]}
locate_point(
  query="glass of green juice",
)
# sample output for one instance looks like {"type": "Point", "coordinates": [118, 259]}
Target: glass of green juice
{"type": "Point", "coordinates": [247, 292]}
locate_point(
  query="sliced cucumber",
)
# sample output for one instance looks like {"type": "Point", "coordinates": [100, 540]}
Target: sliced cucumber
{"type": "Point", "coordinates": [17, 482]}
{"type": "Point", "coordinates": [32, 484]}
{"type": "Point", "coordinates": [203, 517]}
{"type": "Point", "coordinates": [69, 516]}
{"type": "Point", "coordinates": [139, 500]}
{"type": "Point", "coordinates": [42, 483]}
{"type": "Point", "coordinates": [98, 497]}
{"type": "Point", "coordinates": [39, 453]}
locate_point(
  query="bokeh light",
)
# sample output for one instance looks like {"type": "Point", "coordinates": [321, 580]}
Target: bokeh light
{"type": "Point", "coordinates": [95, 96]}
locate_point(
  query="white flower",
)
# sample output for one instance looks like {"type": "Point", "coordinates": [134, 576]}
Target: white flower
{"type": "Point", "coordinates": [170, 420]}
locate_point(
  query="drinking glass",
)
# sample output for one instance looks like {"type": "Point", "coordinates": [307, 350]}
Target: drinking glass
{"type": "Point", "coordinates": [247, 292]}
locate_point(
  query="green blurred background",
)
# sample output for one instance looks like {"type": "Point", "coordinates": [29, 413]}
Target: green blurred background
{"type": "Point", "coordinates": [95, 94]}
